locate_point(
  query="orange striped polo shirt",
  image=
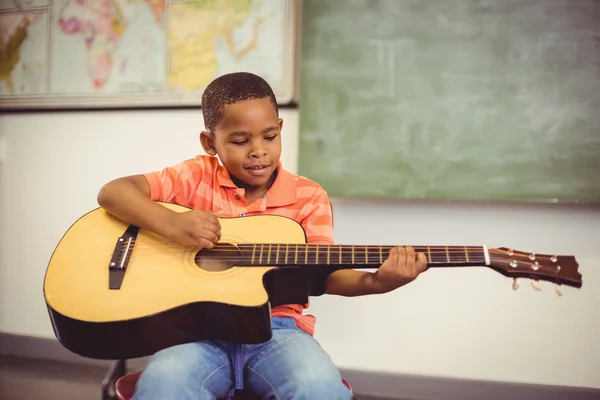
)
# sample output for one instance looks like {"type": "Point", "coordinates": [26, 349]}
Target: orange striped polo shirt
{"type": "Point", "coordinates": [202, 183]}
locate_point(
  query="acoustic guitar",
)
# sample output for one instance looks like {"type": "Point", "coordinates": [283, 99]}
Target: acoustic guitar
{"type": "Point", "coordinates": [114, 291]}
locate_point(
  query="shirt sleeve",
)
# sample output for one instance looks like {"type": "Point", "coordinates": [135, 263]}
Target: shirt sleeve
{"type": "Point", "coordinates": [177, 183]}
{"type": "Point", "coordinates": [318, 223]}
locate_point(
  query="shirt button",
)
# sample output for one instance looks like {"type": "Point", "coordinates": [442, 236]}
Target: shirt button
{"type": "Point", "coordinates": [237, 197]}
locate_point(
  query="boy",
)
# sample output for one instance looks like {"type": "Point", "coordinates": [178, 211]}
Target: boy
{"type": "Point", "coordinates": [243, 129]}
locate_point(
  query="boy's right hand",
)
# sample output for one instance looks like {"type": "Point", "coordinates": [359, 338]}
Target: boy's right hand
{"type": "Point", "coordinates": [195, 228]}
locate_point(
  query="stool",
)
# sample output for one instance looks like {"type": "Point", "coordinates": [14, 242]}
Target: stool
{"type": "Point", "coordinates": [125, 388]}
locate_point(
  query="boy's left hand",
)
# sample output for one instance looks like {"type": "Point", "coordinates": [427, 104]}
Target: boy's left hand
{"type": "Point", "coordinates": [402, 266]}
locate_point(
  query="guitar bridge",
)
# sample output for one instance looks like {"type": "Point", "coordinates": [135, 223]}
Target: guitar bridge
{"type": "Point", "coordinates": [121, 256]}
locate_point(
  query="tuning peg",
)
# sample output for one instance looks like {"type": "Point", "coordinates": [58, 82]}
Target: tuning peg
{"type": "Point", "coordinates": [536, 285]}
{"type": "Point", "coordinates": [515, 284]}
{"type": "Point", "coordinates": [558, 290]}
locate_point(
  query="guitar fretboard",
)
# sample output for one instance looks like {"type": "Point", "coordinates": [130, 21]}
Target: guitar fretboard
{"type": "Point", "coordinates": [353, 256]}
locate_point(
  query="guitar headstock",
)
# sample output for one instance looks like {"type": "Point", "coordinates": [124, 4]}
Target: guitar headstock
{"type": "Point", "coordinates": [562, 270]}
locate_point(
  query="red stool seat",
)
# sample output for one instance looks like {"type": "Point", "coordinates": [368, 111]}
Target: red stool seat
{"type": "Point", "coordinates": [125, 387]}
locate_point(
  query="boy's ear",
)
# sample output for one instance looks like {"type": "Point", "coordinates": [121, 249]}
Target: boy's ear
{"type": "Point", "coordinates": [208, 143]}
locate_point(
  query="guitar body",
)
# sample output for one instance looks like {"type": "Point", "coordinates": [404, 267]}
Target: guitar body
{"type": "Point", "coordinates": [165, 297]}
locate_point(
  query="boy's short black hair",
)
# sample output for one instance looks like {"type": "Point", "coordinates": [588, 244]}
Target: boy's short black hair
{"type": "Point", "coordinates": [229, 89]}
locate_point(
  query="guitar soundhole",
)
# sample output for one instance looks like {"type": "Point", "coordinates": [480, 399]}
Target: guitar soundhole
{"type": "Point", "coordinates": [220, 258]}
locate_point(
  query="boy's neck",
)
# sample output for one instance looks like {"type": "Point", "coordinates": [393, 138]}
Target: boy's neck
{"type": "Point", "coordinates": [252, 193]}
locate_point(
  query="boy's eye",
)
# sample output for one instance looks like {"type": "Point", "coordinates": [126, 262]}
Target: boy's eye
{"type": "Point", "coordinates": [239, 143]}
{"type": "Point", "coordinates": [271, 137]}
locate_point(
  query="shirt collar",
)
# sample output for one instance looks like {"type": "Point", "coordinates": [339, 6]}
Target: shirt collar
{"type": "Point", "coordinates": [223, 177]}
{"type": "Point", "coordinates": [281, 193]}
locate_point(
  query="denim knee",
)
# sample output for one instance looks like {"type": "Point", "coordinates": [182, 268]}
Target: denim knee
{"type": "Point", "coordinates": [166, 375]}
{"type": "Point", "coordinates": [312, 386]}
{"type": "Point", "coordinates": [183, 372]}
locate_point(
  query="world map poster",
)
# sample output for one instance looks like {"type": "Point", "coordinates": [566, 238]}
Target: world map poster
{"type": "Point", "coordinates": [130, 53]}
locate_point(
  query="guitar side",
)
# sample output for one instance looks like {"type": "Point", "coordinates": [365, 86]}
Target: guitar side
{"type": "Point", "coordinates": [164, 299]}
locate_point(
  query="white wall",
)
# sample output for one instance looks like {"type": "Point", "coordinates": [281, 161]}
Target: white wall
{"type": "Point", "coordinates": [464, 323]}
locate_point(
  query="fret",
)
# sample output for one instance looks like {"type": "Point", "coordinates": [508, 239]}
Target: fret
{"type": "Point", "coordinates": [261, 253]}
{"type": "Point", "coordinates": [344, 254]}
{"type": "Point", "coordinates": [366, 254]}
{"type": "Point", "coordinates": [360, 255]}
{"type": "Point", "coordinates": [305, 254]}
{"type": "Point", "coordinates": [357, 255]}
{"type": "Point", "coordinates": [296, 256]}
{"type": "Point", "coordinates": [477, 255]}
{"type": "Point", "coordinates": [380, 254]}
{"type": "Point", "coordinates": [428, 254]}
{"type": "Point", "coordinates": [340, 250]}
{"type": "Point", "coordinates": [317, 254]}
{"type": "Point", "coordinates": [287, 248]}
{"type": "Point", "coordinates": [447, 255]}
{"type": "Point", "coordinates": [373, 253]}
{"type": "Point", "coordinates": [277, 255]}
{"type": "Point", "coordinates": [253, 253]}
{"type": "Point", "coordinates": [457, 256]}
{"type": "Point", "coordinates": [269, 254]}
{"type": "Point", "coordinates": [352, 249]}
{"type": "Point", "coordinates": [328, 253]}
{"type": "Point", "coordinates": [467, 253]}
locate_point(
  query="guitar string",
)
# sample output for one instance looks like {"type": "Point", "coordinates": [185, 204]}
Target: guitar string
{"type": "Point", "coordinates": [232, 255]}
{"type": "Point", "coordinates": [242, 261]}
{"type": "Point", "coordinates": [540, 272]}
{"type": "Point", "coordinates": [361, 248]}
{"type": "Point", "coordinates": [303, 248]}
{"type": "Point", "coordinates": [323, 244]}
{"type": "Point", "coordinates": [347, 258]}
{"type": "Point", "coordinates": [300, 250]}
{"type": "Point", "coordinates": [344, 249]}
{"type": "Point", "coordinates": [436, 260]}
{"type": "Point", "coordinates": [311, 247]}
{"type": "Point", "coordinates": [335, 253]}
{"type": "Point", "coordinates": [313, 260]}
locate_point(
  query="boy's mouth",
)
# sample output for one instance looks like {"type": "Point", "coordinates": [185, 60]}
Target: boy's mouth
{"type": "Point", "coordinates": [257, 170]}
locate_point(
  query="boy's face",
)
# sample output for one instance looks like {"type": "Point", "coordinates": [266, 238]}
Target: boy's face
{"type": "Point", "coordinates": [248, 142]}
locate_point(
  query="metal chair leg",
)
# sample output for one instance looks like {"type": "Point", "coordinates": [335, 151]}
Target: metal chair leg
{"type": "Point", "coordinates": [116, 370]}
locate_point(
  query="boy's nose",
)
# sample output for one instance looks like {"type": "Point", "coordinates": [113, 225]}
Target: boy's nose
{"type": "Point", "coordinates": [258, 153]}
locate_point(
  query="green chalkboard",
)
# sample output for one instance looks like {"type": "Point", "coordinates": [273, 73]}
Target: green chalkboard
{"type": "Point", "coordinates": [495, 100]}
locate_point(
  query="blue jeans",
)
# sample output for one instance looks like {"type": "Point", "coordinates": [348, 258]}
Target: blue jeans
{"type": "Point", "coordinates": [290, 366]}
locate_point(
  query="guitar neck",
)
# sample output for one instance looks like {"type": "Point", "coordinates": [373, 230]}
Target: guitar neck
{"type": "Point", "coordinates": [355, 256]}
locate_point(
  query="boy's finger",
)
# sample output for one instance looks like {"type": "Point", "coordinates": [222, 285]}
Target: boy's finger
{"type": "Point", "coordinates": [212, 219]}
{"type": "Point", "coordinates": [205, 244]}
{"type": "Point", "coordinates": [211, 235]}
{"type": "Point", "coordinates": [401, 255]}
{"type": "Point", "coordinates": [421, 262]}
{"type": "Point", "coordinates": [410, 257]}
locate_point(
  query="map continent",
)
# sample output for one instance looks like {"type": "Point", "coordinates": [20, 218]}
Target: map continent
{"type": "Point", "coordinates": [194, 26]}
{"type": "Point", "coordinates": [100, 41]}
{"type": "Point", "coordinates": [22, 53]}
{"type": "Point", "coordinates": [144, 49]}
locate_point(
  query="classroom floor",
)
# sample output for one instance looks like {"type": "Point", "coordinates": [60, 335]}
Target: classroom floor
{"type": "Point", "coordinates": [29, 379]}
